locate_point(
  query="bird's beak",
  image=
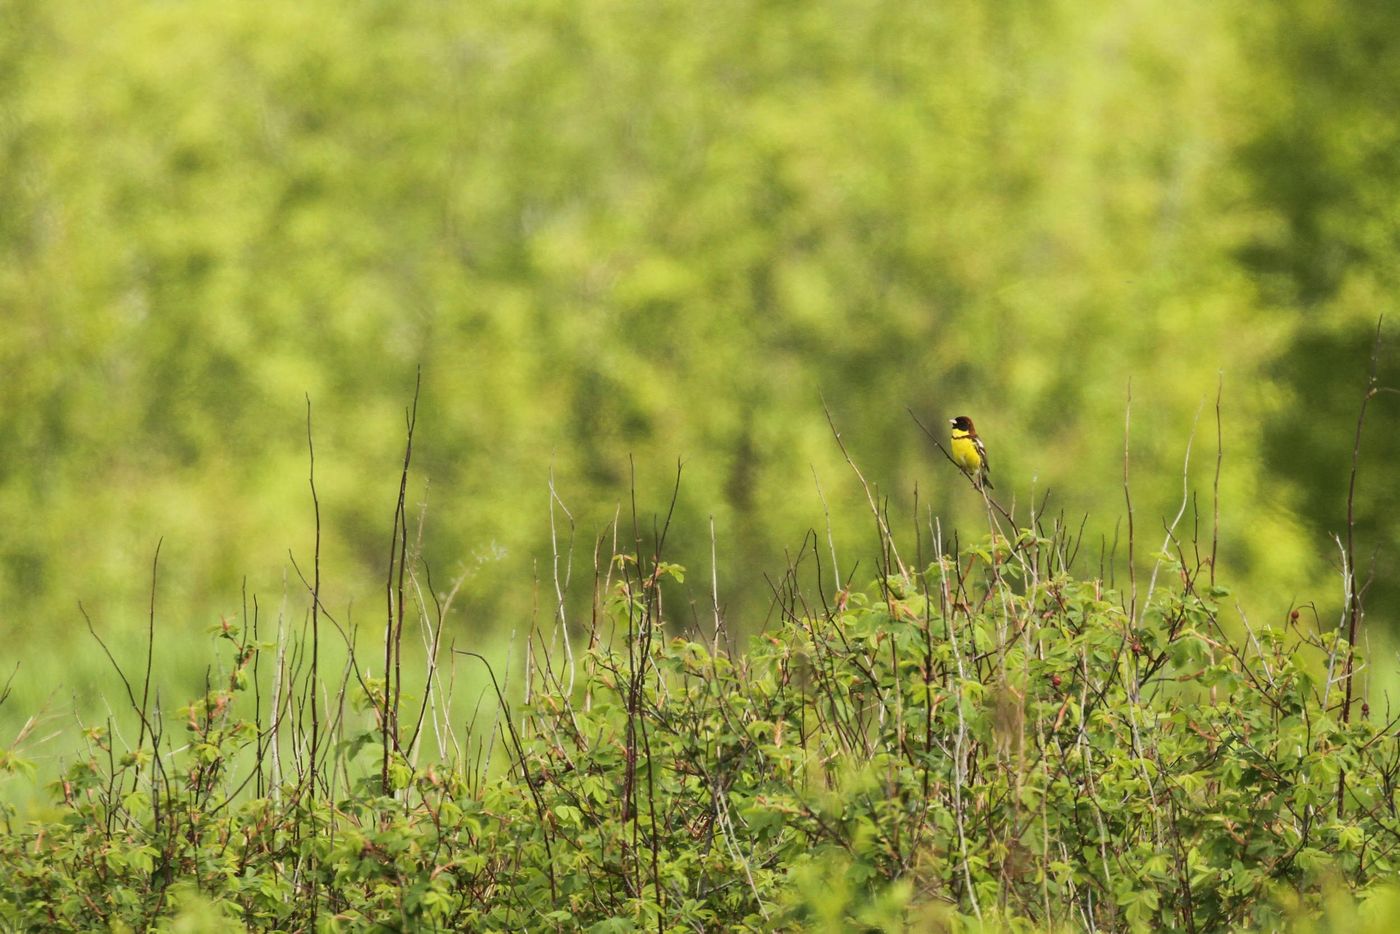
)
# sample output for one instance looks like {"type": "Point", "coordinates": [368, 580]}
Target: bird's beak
{"type": "Point", "coordinates": [952, 421]}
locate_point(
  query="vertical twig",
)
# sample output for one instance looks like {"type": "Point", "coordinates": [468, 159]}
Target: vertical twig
{"type": "Point", "coordinates": [433, 648]}
{"type": "Point", "coordinates": [530, 782]}
{"type": "Point", "coordinates": [1128, 497]}
{"type": "Point", "coordinates": [1354, 610]}
{"type": "Point", "coordinates": [714, 588]}
{"type": "Point", "coordinates": [274, 727]}
{"type": "Point", "coordinates": [559, 589]}
{"type": "Point", "coordinates": [959, 759]}
{"type": "Point", "coordinates": [1215, 489]}
{"type": "Point", "coordinates": [393, 634]}
{"type": "Point", "coordinates": [830, 539]}
{"type": "Point", "coordinates": [150, 643]}
{"type": "Point", "coordinates": [885, 533]}
{"type": "Point", "coordinates": [1185, 499]}
{"type": "Point", "coordinates": [315, 603]}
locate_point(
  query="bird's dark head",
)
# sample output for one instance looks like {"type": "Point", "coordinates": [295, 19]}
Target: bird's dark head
{"type": "Point", "coordinates": [962, 423]}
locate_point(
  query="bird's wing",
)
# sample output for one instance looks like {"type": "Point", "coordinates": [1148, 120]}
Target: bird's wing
{"type": "Point", "coordinates": [982, 453]}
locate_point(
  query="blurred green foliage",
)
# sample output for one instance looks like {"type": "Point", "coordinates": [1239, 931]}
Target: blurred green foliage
{"type": "Point", "coordinates": [619, 234]}
{"type": "Point", "coordinates": [1326, 157]}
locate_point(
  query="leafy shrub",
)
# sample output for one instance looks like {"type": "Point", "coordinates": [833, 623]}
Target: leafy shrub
{"type": "Point", "coordinates": [983, 736]}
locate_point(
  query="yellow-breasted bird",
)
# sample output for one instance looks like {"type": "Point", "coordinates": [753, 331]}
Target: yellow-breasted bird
{"type": "Point", "coordinates": [969, 452]}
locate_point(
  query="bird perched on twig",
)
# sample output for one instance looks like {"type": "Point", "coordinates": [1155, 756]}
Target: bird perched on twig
{"type": "Point", "coordinates": [969, 453]}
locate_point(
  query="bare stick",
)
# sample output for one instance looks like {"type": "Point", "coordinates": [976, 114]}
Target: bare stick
{"type": "Point", "coordinates": [830, 541]}
{"type": "Point", "coordinates": [870, 497]}
{"type": "Point", "coordinates": [393, 633]}
{"type": "Point", "coordinates": [1185, 498]}
{"type": "Point", "coordinates": [959, 759]}
{"type": "Point", "coordinates": [1128, 497]}
{"type": "Point", "coordinates": [559, 588]}
{"type": "Point", "coordinates": [274, 729]}
{"type": "Point", "coordinates": [1215, 489]}
{"type": "Point", "coordinates": [150, 642]}
{"type": "Point", "coordinates": [315, 603]}
{"type": "Point", "coordinates": [1354, 610]}
{"type": "Point", "coordinates": [140, 709]}
{"type": "Point", "coordinates": [714, 586]}
{"type": "Point", "coordinates": [433, 677]}
{"type": "Point", "coordinates": [524, 763]}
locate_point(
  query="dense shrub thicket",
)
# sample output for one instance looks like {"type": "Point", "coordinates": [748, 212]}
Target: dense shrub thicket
{"type": "Point", "coordinates": [979, 735]}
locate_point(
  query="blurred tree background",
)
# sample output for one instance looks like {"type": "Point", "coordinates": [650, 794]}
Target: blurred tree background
{"type": "Point", "coordinates": [619, 234]}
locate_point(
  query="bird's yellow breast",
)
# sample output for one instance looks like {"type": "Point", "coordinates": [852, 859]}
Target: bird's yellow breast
{"type": "Point", "coordinates": [965, 451]}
